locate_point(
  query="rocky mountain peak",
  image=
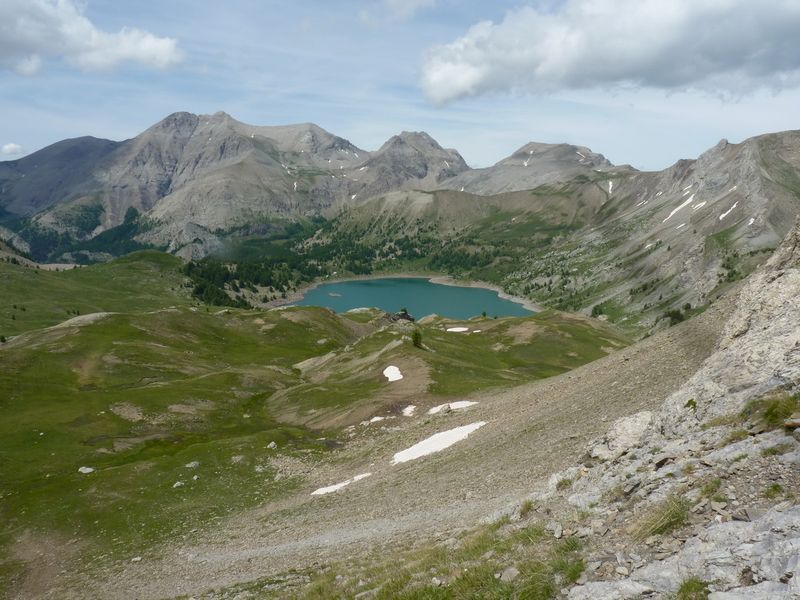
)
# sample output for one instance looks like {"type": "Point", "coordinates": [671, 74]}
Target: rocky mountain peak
{"type": "Point", "coordinates": [556, 154]}
{"type": "Point", "coordinates": [178, 123]}
{"type": "Point", "coordinates": [422, 146]}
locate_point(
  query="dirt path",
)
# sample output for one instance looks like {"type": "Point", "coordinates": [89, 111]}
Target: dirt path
{"type": "Point", "coordinates": [531, 432]}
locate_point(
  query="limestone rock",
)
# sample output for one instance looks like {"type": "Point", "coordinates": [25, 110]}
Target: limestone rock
{"type": "Point", "coordinates": [609, 590]}
{"type": "Point", "coordinates": [509, 574]}
{"type": "Point", "coordinates": [625, 433]}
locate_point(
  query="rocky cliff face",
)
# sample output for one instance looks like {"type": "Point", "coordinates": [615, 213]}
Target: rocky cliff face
{"type": "Point", "coordinates": [728, 480]}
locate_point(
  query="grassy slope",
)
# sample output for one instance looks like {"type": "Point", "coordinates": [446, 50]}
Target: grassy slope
{"type": "Point", "coordinates": [140, 394]}
{"type": "Point", "coordinates": [137, 397]}
{"type": "Point", "coordinates": [146, 280]}
{"type": "Point", "coordinates": [502, 353]}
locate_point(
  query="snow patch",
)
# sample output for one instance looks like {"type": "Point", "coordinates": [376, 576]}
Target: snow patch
{"type": "Point", "coordinates": [681, 226]}
{"type": "Point", "coordinates": [658, 194]}
{"type": "Point", "coordinates": [733, 189]}
{"type": "Point", "coordinates": [337, 486]}
{"type": "Point", "coordinates": [377, 419]}
{"type": "Point", "coordinates": [295, 186]}
{"type": "Point", "coordinates": [751, 221]}
{"type": "Point", "coordinates": [436, 443]}
{"type": "Point", "coordinates": [729, 211]}
{"type": "Point", "coordinates": [699, 205]}
{"type": "Point", "coordinates": [610, 187]}
{"type": "Point", "coordinates": [452, 406]}
{"type": "Point", "coordinates": [457, 329]}
{"type": "Point", "coordinates": [650, 245]}
{"type": "Point", "coordinates": [579, 154]}
{"type": "Point", "coordinates": [85, 470]}
{"type": "Point", "coordinates": [409, 410]}
{"type": "Point", "coordinates": [688, 186]}
{"type": "Point", "coordinates": [685, 204]}
{"type": "Point", "coordinates": [353, 197]}
{"type": "Point", "coordinates": [392, 373]}
{"type": "Point", "coordinates": [642, 203]}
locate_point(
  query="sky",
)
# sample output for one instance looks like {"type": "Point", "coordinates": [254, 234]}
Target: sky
{"type": "Point", "coordinates": [645, 82]}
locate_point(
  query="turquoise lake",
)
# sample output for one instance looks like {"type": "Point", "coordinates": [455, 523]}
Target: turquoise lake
{"type": "Point", "coordinates": [420, 296]}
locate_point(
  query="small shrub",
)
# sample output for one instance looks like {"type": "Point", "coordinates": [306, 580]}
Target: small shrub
{"type": "Point", "coordinates": [525, 508]}
{"type": "Point", "coordinates": [779, 409]}
{"type": "Point", "coordinates": [569, 568]}
{"type": "Point", "coordinates": [538, 584]}
{"type": "Point", "coordinates": [692, 589]}
{"type": "Point", "coordinates": [710, 488]}
{"type": "Point", "coordinates": [563, 484]}
{"type": "Point", "coordinates": [416, 338]}
{"type": "Point", "coordinates": [772, 411]}
{"type": "Point", "coordinates": [675, 316]}
{"type": "Point", "coordinates": [773, 491]}
{"type": "Point", "coordinates": [568, 545]}
{"type": "Point", "coordinates": [735, 436]}
{"type": "Point", "coordinates": [691, 403]}
{"type": "Point", "coordinates": [671, 514]}
{"type": "Point", "coordinates": [776, 450]}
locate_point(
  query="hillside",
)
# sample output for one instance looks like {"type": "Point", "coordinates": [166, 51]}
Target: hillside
{"type": "Point", "coordinates": [157, 446]}
{"type": "Point", "coordinates": [114, 377]}
{"type": "Point", "coordinates": [661, 468]}
{"type": "Point", "coordinates": [635, 247]}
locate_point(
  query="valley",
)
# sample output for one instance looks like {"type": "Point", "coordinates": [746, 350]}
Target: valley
{"type": "Point", "coordinates": [143, 382]}
{"type": "Point", "coordinates": [173, 427]}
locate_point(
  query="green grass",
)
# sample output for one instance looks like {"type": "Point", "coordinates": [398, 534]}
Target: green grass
{"type": "Point", "coordinates": [137, 397]}
{"type": "Point", "coordinates": [692, 589]}
{"type": "Point", "coordinates": [772, 411]}
{"type": "Point", "coordinates": [161, 384]}
{"type": "Point", "coordinates": [468, 570]}
{"type": "Point", "coordinates": [710, 488]}
{"type": "Point", "coordinates": [557, 343]}
{"type": "Point", "coordinates": [506, 352]}
{"type": "Point", "coordinates": [34, 298]}
{"type": "Point", "coordinates": [669, 515]}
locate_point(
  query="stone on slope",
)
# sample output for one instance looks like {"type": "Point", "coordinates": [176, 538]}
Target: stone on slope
{"type": "Point", "coordinates": [625, 433]}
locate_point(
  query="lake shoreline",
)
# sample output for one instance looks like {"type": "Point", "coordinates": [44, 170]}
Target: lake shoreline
{"type": "Point", "coordinates": [301, 292]}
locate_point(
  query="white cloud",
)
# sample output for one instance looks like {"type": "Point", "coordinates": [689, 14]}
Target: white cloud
{"type": "Point", "coordinates": [11, 149]}
{"type": "Point", "coordinates": [726, 46]}
{"type": "Point", "coordinates": [31, 30]}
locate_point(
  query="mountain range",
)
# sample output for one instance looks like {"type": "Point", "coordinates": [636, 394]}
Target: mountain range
{"type": "Point", "coordinates": [155, 446]}
{"type": "Point", "coordinates": [557, 223]}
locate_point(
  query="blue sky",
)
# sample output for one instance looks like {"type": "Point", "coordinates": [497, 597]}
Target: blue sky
{"type": "Point", "coordinates": [626, 78]}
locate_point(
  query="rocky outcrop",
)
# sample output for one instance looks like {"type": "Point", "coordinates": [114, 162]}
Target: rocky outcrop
{"type": "Point", "coordinates": [624, 434]}
{"type": "Point", "coordinates": [759, 350]}
{"type": "Point", "coordinates": [729, 485]}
